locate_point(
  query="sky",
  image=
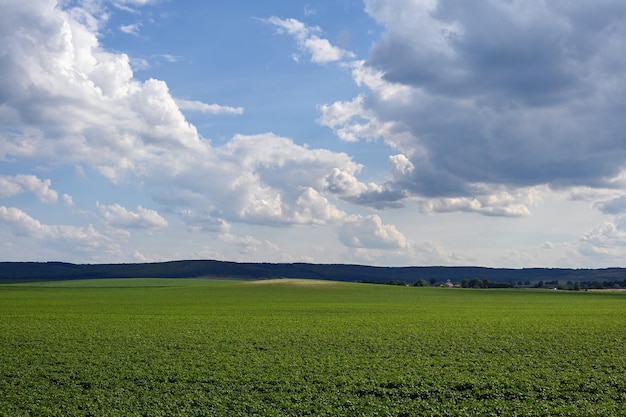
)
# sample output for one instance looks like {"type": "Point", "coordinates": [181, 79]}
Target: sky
{"type": "Point", "coordinates": [377, 132]}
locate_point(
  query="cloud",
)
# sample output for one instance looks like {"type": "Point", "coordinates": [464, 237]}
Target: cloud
{"type": "Point", "coordinates": [65, 100]}
{"type": "Point", "coordinates": [131, 5]}
{"type": "Point", "coordinates": [614, 206]}
{"type": "Point", "coordinates": [370, 232]}
{"type": "Point", "coordinates": [68, 200]}
{"type": "Point", "coordinates": [346, 186]}
{"type": "Point", "coordinates": [313, 207]}
{"type": "Point", "coordinates": [203, 222]}
{"type": "Point", "coordinates": [490, 95]}
{"type": "Point", "coordinates": [131, 29]}
{"type": "Point", "coordinates": [118, 216]}
{"type": "Point", "coordinates": [267, 179]}
{"type": "Point", "coordinates": [247, 245]}
{"type": "Point", "coordinates": [488, 201]}
{"type": "Point", "coordinates": [320, 49]}
{"type": "Point", "coordinates": [21, 224]}
{"type": "Point", "coordinates": [195, 105]}
{"type": "Point", "coordinates": [604, 243]}
{"type": "Point", "coordinates": [12, 185]}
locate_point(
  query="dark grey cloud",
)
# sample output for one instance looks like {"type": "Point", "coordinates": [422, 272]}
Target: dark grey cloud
{"type": "Point", "coordinates": [504, 93]}
{"type": "Point", "coordinates": [615, 206]}
{"type": "Point", "coordinates": [530, 53]}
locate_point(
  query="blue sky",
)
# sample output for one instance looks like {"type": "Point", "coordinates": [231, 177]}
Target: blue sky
{"type": "Point", "coordinates": [382, 132]}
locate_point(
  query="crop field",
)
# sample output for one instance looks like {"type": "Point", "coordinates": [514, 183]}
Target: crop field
{"type": "Point", "coordinates": [161, 347]}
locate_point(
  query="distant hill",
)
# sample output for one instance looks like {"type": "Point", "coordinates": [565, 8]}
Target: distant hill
{"type": "Point", "coordinates": [53, 271]}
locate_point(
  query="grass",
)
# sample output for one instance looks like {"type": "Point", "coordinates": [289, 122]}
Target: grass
{"type": "Point", "coordinates": [294, 348]}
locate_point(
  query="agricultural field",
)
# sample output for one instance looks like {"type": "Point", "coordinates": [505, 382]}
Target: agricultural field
{"type": "Point", "coordinates": [193, 347]}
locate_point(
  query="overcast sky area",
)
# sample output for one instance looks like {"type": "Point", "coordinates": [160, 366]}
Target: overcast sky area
{"type": "Point", "coordinates": [380, 132]}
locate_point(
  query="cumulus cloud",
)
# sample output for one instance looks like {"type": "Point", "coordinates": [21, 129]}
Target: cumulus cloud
{"type": "Point", "coordinates": [605, 242]}
{"type": "Point", "coordinates": [370, 232]}
{"type": "Point", "coordinates": [268, 179]}
{"type": "Point", "coordinates": [346, 186]}
{"type": "Point", "coordinates": [118, 216]}
{"type": "Point", "coordinates": [12, 185]}
{"type": "Point", "coordinates": [513, 94]}
{"type": "Point", "coordinates": [22, 224]}
{"type": "Point", "coordinates": [488, 201]}
{"type": "Point", "coordinates": [313, 207]}
{"type": "Point", "coordinates": [66, 100]}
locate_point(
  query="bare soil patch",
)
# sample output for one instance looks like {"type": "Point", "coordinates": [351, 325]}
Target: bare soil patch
{"type": "Point", "coordinates": [293, 281]}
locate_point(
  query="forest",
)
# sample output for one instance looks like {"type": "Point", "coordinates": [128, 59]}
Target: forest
{"type": "Point", "coordinates": [410, 275]}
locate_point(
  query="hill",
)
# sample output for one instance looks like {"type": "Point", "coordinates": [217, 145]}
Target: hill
{"type": "Point", "coordinates": [46, 271]}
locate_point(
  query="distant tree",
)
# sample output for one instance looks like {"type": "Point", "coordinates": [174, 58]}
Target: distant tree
{"type": "Point", "coordinates": [465, 283]}
{"type": "Point", "coordinates": [421, 283]}
{"type": "Point", "coordinates": [474, 283]}
{"type": "Point", "coordinates": [433, 281]}
{"type": "Point", "coordinates": [539, 284]}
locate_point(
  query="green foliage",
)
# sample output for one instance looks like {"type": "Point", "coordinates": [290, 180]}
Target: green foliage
{"type": "Point", "coordinates": [298, 348]}
{"type": "Point", "coordinates": [485, 283]}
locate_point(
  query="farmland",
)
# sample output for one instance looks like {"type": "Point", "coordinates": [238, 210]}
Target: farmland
{"type": "Point", "coordinates": [193, 347]}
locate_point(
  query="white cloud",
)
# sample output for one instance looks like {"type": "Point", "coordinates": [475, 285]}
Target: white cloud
{"type": "Point", "coordinates": [248, 245]}
{"type": "Point", "coordinates": [134, 2]}
{"type": "Point", "coordinates": [131, 29]}
{"type": "Point", "coordinates": [346, 185]}
{"type": "Point", "coordinates": [320, 49]}
{"type": "Point", "coordinates": [67, 100]}
{"type": "Point", "coordinates": [605, 243]}
{"type": "Point", "coordinates": [370, 232]}
{"type": "Point", "coordinates": [312, 207]}
{"type": "Point", "coordinates": [130, 6]}
{"type": "Point", "coordinates": [21, 224]}
{"type": "Point", "coordinates": [71, 102]}
{"type": "Point", "coordinates": [169, 57]}
{"type": "Point", "coordinates": [195, 105]}
{"type": "Point", "coordinates": [118, 216]}
{"type": "Point", "coordinates": [12, 185]}
{"type": "Point", "coordinates": [475, 205]}
{"type": "Point", "coordinates": [270, 179]}
{"type": "Point", "coordinates": [68, 200]}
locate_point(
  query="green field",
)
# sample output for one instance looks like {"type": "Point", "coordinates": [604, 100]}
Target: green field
{"type": "Point", "coordinates": [161, 347]}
